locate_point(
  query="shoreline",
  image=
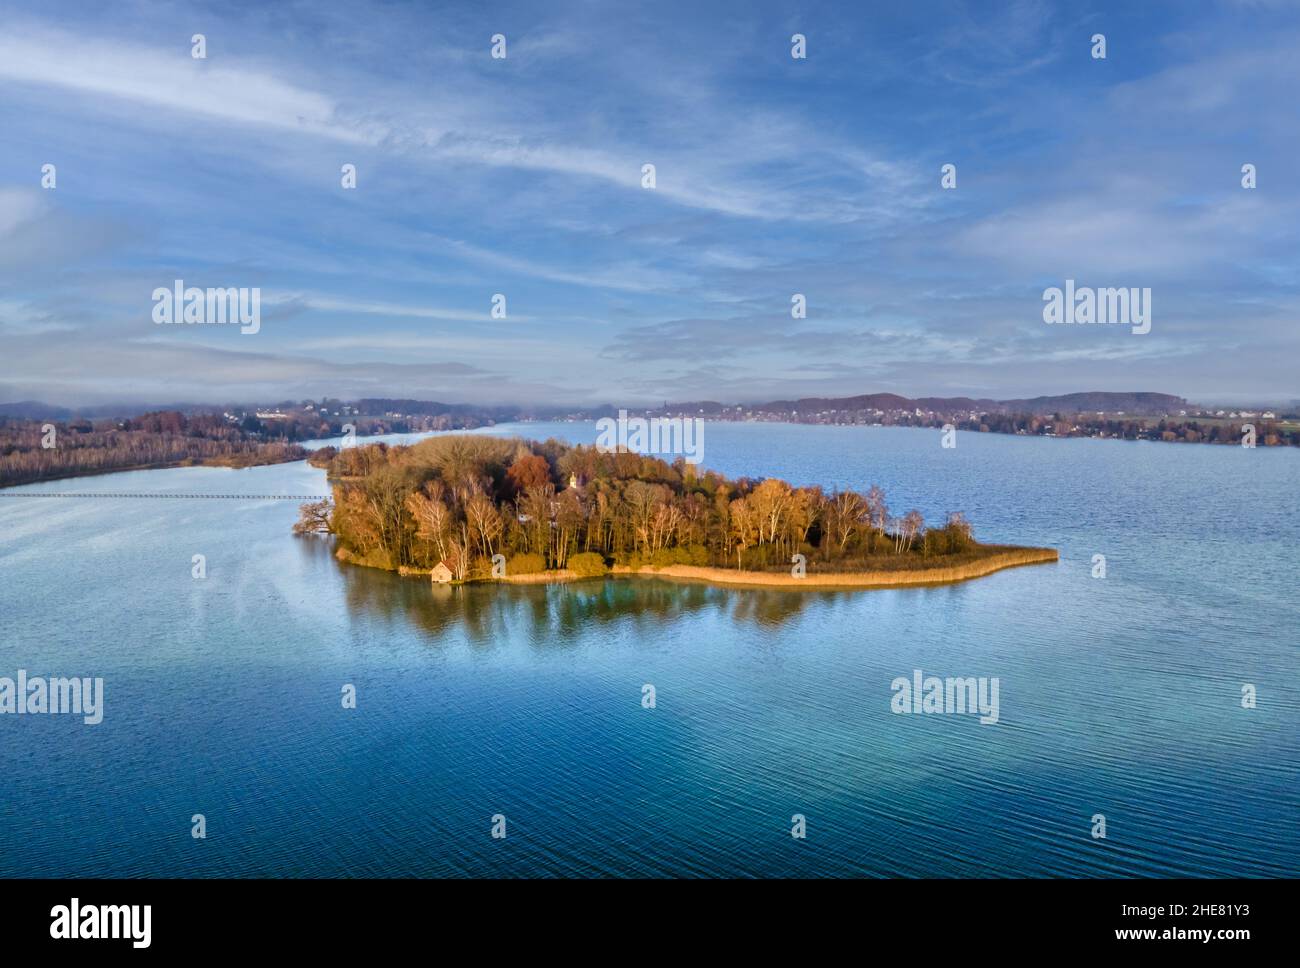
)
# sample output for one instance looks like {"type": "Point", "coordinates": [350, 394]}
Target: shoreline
{"type": "Point", "coordinates": [99, 472]}
{"type": "Point", "coordinates": [160, 466]}
{"type": "Point", "coordinates": [1011, 557]}
{"type": "Point", "coordinates": [943, 575]}
{"type": "Point", "coordinates": [209, 462]}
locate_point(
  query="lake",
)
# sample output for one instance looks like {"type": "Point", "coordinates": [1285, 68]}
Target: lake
{"type": "Point", "coordinates": [1119, 696]}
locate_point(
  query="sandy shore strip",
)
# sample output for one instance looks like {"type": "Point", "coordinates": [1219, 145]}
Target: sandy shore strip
{"type": "Point", "coordinates": [854, 579]}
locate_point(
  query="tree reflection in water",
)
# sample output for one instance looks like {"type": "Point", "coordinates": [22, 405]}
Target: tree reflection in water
{"type": "Point", "coordinates": [548, 615]}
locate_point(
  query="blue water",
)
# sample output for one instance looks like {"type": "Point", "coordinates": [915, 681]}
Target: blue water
{"type": "Point", "coordinates": [1118, 696]}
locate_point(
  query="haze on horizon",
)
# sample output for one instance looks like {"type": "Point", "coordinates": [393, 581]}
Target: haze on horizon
{"type": "Point", "coordinates": [522, 176]}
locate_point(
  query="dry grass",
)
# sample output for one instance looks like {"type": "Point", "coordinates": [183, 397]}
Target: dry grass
{"type": "Point", "coordinates": [995, 561]}
{"type": "Point", "coordinates": [541, 577]}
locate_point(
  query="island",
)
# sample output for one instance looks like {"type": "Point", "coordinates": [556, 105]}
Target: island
{"type": "Point", "coordinates": [476, 508]}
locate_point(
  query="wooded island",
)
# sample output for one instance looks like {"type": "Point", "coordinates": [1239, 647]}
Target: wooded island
{"type": "Point", "coordinates": [449, 506]}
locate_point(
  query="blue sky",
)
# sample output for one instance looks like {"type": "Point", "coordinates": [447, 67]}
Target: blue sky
{"type": "Point", "coordinates": [522, 176]}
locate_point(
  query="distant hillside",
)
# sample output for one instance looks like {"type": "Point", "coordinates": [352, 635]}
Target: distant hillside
{"type": "Point", "coordinates": [877, 401]}
{"type": "Point", "coordinates": [1134, 404]}
{"type": "Point", "coordinates": [33, 410]}
{"type": "Point", "coordinates": [377, 406]}
{"type": "Point", "coordinates": [1144, 404]}
{"type": "Point", "coordinates": [36, 410]}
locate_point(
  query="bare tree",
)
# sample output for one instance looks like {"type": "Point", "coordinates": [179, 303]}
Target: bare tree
{"type": "Point", "coordinates": [314, 518]}
{"type": "Point", "coordinates": [459, 553]}
{"type": "Point", "coordinates": [877, 510]}
{"type": "Point", "coordinates": [910, 527]}
{"type": "Point", "coordinates": [432, 517]}
{"type": "Point", "coordinates": [845, 514]}
{"type": "Point", "coordinates": [484, 522]}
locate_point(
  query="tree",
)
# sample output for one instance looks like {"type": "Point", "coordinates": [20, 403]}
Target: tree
{"type": "Point", "coordinates": [877, 510]}
{"type": "Point", "coordinates": [314, 517]}
{"type": "Point", "coordinates": [531, 470]}
{"type": "Point", "coordinates": [844, 516]}
{"type": "Point", "coordinates": [432, 517]}
{"type": "Point", "coordinates": [485, 524]}
{"type": "Point", "coordinates": [746, 528]}
{"type": "Point", "coordinates": [535, 509]}
{"type": "Point", "coordinates": [771, 502]}
{"type": "Point", "coordinates": [908, 528]}
{"type": "Point", "coordinates": [642, 500]}
{"type": "Point", "coordinates": [570, 516]}
{"type": "Point", "coordinates": [459, 553]}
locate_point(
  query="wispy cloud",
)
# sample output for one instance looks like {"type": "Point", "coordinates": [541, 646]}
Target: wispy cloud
{"type": "Point", "coordinates": [523, 177]}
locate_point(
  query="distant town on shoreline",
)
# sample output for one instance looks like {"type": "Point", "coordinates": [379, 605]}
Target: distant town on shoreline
{"type": "Point", "coordinates": [103, 439]}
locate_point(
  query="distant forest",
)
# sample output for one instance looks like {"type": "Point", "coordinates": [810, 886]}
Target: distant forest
{"type": "Point", "coordinates": [460, 500]}
{"type": "Point", "coordinates": [30, 452]}
{"type": "Point", "coordinates": [1188, 430]}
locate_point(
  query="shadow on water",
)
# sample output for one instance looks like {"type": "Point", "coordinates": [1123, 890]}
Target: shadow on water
{"type": "Point", "coordinates": [548, 614]}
